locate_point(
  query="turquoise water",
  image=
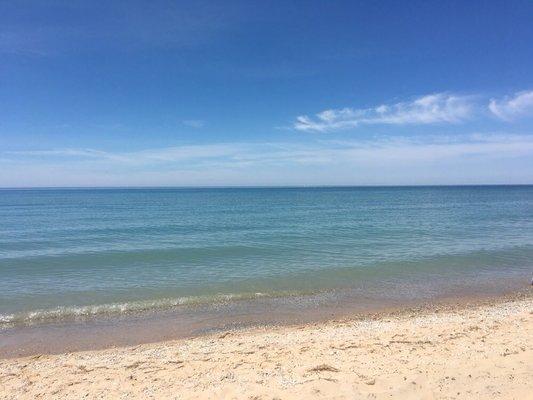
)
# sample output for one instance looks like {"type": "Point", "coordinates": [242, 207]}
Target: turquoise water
{"type": "Point", "coordinates": [90, 251]}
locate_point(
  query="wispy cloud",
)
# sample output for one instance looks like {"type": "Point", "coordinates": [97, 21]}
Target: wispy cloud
{"type": "Point", "coordinates": [28, 28]}
{"type": "Point", "coordinates": [185, 153]}
{"type": "Point", "coordinates": [476, 158]}
{"type": "Point", "coordinates": [513, 107]}
{"type": "Point", "coordinates": [377, 150]}
{"type": "Point", "coordinates": [194, 123]}
{"type": "Point", "coordinates": [429, 109]}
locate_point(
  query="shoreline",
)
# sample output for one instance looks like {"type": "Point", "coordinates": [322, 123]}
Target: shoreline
{"type": "Point", "coordinates": [98, 333]}
{"type": "Point", "coordinates": [476, 349]}
{"type": "Point", "coordinates": [184, 322]}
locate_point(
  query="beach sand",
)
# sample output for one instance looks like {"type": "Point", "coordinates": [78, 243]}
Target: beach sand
{"type": "Point", "coordinates": [468, 352]}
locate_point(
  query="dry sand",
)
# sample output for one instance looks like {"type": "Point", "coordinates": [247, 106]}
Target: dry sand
{"type": "Point", "coordinates": [477, 352]}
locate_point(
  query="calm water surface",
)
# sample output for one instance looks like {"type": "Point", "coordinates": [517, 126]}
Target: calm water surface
{"type": "Point", "coordinates": [65, 253]}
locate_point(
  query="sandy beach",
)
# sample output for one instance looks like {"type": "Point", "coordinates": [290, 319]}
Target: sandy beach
{"type": "Point", "coordinates": [266, 200]}
{"type": "Point", "coordinates": [476, 351]}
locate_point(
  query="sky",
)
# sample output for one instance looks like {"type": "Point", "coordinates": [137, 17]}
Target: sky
{"type": "Point", "coordinates": [265, 93]}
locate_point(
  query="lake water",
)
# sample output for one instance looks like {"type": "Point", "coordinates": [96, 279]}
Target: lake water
{"type": "Point", "coordinates": [66, 253]}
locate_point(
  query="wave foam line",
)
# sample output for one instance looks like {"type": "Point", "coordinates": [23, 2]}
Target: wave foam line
{"type": "Point", "coordinates": [73, 312]}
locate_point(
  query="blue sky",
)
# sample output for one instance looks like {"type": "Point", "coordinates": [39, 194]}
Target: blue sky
{"type": "Point", "coordinates": [159, 93]}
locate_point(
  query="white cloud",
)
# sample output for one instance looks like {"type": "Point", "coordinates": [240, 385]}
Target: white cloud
{"type": "Point", "coordinates": [184, 153]}
{"type": "Point", "coordinates": [512, 107]}
{"type": "Point", "coordinates": [478, 158]}
{"type": "Point", "coordinates": [384, 149]}
{"type": "Point", "coordinates": [429, 109]}
{"type": "Point", "coordinates": [194, 123]}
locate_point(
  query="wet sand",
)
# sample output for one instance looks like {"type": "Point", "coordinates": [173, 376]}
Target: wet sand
{"type": "Point", "coordinates": [480, 350]}
{"type": "Point", "coordinates": [133, 328]}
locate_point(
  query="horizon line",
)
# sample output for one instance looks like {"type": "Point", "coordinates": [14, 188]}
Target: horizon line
{"type": "Point", "coordinates": [259, 186]}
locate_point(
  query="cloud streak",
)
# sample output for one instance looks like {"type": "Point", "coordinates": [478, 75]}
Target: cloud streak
{"type": "Point", "coordinates": [487, 158]}
{"type": "Point", "coordinates": [513, 107]}
{"type": "Point", "coordinates": [132, 25]}
{"type": "Point", "coordinates": [429, 109]}
{"type": "Point", "coordinates": [320, 152]}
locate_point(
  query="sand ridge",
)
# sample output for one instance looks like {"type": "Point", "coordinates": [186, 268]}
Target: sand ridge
{"type": "Point", "coordinates": [474, 352]}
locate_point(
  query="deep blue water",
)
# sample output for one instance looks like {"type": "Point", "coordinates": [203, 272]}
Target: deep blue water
{"type": "Point", "coordinates": [83, 251]}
